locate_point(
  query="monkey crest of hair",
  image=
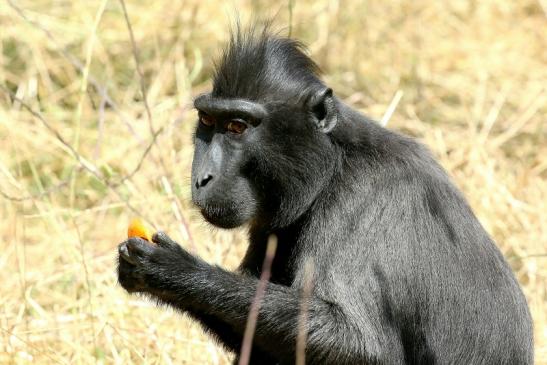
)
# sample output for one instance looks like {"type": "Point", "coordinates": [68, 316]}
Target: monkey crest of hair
{"type": "Point", "coordinates": [402, 272]}
{"type": "Point", "coordinates": [259, 66]}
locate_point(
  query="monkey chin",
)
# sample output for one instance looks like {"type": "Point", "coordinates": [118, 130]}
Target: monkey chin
{"type": "Point", "coordinates": [223, 218]}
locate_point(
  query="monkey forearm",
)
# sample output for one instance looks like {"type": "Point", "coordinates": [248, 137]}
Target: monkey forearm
{"type": "Point", "coordinates": [217, 328]}
{"type": "Point", "coordinates": [222, 298]}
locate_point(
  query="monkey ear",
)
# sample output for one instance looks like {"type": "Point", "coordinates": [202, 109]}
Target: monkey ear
{"type": "Point", "coordinates": [323, 110]}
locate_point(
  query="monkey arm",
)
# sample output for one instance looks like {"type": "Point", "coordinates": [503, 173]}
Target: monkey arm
{"type": "Point", "coordinates": [222, 300]}
{"type": "Point", "coordinates": [227, 297]}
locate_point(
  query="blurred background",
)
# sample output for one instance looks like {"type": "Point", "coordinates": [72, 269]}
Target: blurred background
{"type": "Point", "coordinates": [82, 151]}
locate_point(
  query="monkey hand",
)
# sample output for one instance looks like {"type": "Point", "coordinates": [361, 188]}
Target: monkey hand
{"type": "Point", "coordinates": [148, 268]}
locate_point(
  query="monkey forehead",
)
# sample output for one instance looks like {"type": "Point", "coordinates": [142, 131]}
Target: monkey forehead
{"type": "Point", "coordinates": [223, 106]}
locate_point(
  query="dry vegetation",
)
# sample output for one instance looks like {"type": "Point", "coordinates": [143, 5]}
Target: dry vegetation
{"type": "Point", "coordinates": [77, 156]}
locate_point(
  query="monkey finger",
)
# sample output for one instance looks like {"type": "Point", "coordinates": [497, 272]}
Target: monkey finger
{"type": "Point", "coordinates": [123, 251]}
{"type": "Point", "coordinates": [135, 249]}
{"type": "Point", "coordinates": [163, 240]}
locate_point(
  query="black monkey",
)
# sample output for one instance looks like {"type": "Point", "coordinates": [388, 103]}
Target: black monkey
{"type": "Point", "coordinates": [403, 271]}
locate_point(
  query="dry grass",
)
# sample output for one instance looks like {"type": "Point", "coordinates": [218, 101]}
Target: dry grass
{"type": "Point", "coordinates": [473, 80]}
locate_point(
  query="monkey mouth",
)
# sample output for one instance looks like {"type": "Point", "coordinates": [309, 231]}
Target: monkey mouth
{"type": "Point", "coordinates": [213, 211]}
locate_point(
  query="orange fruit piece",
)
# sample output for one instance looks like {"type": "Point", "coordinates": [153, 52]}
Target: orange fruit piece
{"type": "Point", "coordinates": [137, 228]}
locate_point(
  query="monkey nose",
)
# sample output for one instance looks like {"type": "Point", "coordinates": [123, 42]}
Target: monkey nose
{"type": "Point", "coordinates": [201, 182]}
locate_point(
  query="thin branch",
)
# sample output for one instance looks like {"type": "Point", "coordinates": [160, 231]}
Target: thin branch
{"type": "Point", "coordinates": [77, 64]}
{"type": "Point", "coordinates": [291, 10]}
{"type": "Point", "coordinates": [47, 191]}
{"type": "Point", "coordinates": [543, 4]}
{"type": "Point", "coordinates": [250, 327]}
{"type": "Point", "coordinates": [532, 256]}
{"type": "Point", "coordinates": [145, 153]}
{"type": "Point", "coordinates": [391, 108]}
{"type": "Point", "coordinates": [83, 92]}
{"type": "Point", "coordinates": [134, 49]}
{"type": "Point", "coordinates": [82, 161]}
{"type": "Point", "coordinates": [302, 336]}
{"type": "Point", "coordinates": [175, 204]}
{"type": "Point", "coordinates": [30, 345]}
{"type": "Point", "coordinates": [138, 66]}
{"type": "Point", "coordinates": [86, 165]}
{"type": "Point", "coordinates": [101, 90]}
{"type": "Point", "coordinates": [100, 127]}
{"type": "Point", "coordinates": [88, 283]}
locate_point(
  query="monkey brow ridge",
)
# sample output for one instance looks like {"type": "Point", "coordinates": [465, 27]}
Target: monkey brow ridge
{"type": "Point", "coordinates": [216, 105]}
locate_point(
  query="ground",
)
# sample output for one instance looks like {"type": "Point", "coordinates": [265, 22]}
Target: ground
{"type": "Point", "coordinates": [78, 158]}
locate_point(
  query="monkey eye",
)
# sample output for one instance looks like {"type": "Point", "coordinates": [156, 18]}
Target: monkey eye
{"type": "Point", "coordinates": [206, 119]}
{"type": "Point", "coordinates": [236, 126]}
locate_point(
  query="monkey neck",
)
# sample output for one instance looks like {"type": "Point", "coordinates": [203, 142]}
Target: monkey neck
{"type": "Point", "coordinates": [291, 239]}
{"type": "Point", "coordinates": [356, 144]}
{"type": "Point", "coordinates": [283, 265]}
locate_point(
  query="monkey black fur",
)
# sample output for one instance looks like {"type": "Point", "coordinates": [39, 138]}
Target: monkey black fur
{"type": "Point", "coordinates": [403, 272]}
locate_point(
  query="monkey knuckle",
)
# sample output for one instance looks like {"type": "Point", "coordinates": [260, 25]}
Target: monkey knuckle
{"type": "Point", "coordinates": [157, 258]}
{"type": "Point", "coordinates": [135, 243]}
{"type": "Point", "coordinates": [159, 237]}
{"type": "Point", "coordinates": [163, 240]}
